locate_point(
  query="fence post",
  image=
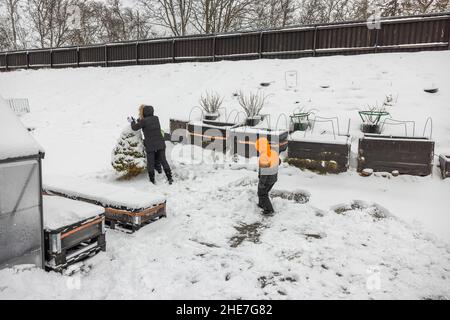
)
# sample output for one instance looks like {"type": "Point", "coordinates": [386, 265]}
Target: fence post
{"type": "Point", "coordinates": [377, 32]}
{"type": "Point", "coordinates": [214, 48]}
{"type": "Point", "coordinates": [6, 61]}
{"type": "Point", "coordinates": [51, 58]}
{"type": "Point", "coordinates": [137, 52]}
{"type": "Point", "coordinates": [260, 44]}
{"type": "Point", "coordinates": [448, 30]}
{"type": "Point", "coordinates": [78, 57]}
{"type": "Point", "coordinates": [106, 55]}
{"type": "Point", "coordinates": [314, 41]}
{"type": "Point", "coordinates": [173, 50]}
{"type": "Point", "coordinates": [28, 59]}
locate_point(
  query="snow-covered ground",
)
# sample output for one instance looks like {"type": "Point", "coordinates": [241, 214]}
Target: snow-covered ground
{"type": "Point", "coordinates": [357, 237]}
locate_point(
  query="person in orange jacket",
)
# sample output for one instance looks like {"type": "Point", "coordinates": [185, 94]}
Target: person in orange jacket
{"type": "Point", "coordinates": [269, 161]}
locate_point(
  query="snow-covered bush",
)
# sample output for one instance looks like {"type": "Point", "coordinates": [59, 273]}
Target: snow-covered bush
{"type": "Point", "coordinates": [252, 103]}
{"type": "Point", "coordinates": [211, 102]}
{"type": "Point", "coordinates": [128, 156]}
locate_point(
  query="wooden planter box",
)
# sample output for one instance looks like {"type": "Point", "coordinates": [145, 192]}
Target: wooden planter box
{"type": "Point", "coordinates": [407, 155]}
{"type": "Point", "coordinates": [320, 155]}
{"type": "Point", "coordinates": [177, 125]}
{"type": "Point", "coordinates": [73, 242]}
{"type": "Point", "coordinates": [127, 213]}
{"type": "Point", "coordinates": [444, 163]}
{"type": "Point", "coordinates": [133, 220]}
{"type": "Point", "coordinates": [209, 134]}
{"type": "Point", "coordinates": [242, 140]}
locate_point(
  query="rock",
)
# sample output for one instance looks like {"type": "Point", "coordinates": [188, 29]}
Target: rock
{"type": "Point", "coordinates": [367, 172]}
{"type": "Point", "coordinates": [395, 173]}
{"type": "Point", "coordinates": [431, 90]}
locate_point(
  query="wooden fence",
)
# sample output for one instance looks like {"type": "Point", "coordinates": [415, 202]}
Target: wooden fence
{"type": "Point", "coordinates": [399, 34]}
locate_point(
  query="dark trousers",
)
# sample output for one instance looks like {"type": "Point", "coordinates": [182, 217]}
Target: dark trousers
{"type": "Point", "coordinates": [158, 158]}
{"type": "Point", "coordinates": [266, 184]}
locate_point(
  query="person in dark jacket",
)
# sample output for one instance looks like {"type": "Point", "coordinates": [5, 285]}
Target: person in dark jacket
{"type": "Point", "coordinates": [155, 145]}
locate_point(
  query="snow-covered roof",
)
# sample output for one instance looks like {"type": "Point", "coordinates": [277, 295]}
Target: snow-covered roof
{"type": "Point", "coordinates": [15, 140]}
{"type": "Point", "coordinates": [61, 212]}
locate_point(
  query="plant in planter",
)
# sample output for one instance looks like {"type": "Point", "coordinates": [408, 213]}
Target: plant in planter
{"type": "Point", "coordinates": [372, 118]}
{"type": "Point", "coordinates": [252, 105]}
{"type": "Point", "coordinates": [128, 156]}
{"type": "Point", "coordinates": [211, 103]}
{"type": "Point", "coordinates": [300, 121]}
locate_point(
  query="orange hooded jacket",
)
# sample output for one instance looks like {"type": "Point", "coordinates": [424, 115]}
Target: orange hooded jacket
{"type": "Point", "coordinates": [268, 158]}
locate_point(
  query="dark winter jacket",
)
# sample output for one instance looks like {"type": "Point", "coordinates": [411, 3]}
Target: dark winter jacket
{"type": "Point", "coordinates": [152, 130]}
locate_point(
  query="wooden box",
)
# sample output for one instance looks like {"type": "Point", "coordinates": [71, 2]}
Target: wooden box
{"type": "Point", "coordinates": [320, 155]}
{"type": "Point", "coordinates": [72, 239]}
{"type": "Point", "coordinates": [242, 140]}
{"type": "Point", "coordinates": [444, 164]}
{"type": "Point", "coordinates": [407, 155]}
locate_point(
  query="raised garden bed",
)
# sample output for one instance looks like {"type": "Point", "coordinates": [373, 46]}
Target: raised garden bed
{"type": "Point", "coordinates": [444, 163]}
{"type": "Point", "coordinates": [242, 140]}
{"type": "Point", "coordinates": [180, 126]}
{"type": "Point", "coordinates": [209, 134]}
{"type": "Point", "coordinates": [73, 231]}
{"type": "Point", "coordinates": [125, 209]}
{"type": "Point", "coordinates": [407, 155]}
{"type": "Point", "coordinates": [322, 153]}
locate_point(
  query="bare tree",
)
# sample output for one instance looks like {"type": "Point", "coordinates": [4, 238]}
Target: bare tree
{"type": "Point", "coordinates": [171, 14]}
{"type": "Point", "coordinates": [12, 8]}
{"type": "Point", "coordinates": [213, 16]}
{"type": "Point", "coordinates": [271, 13]}
{"type": "Point", "coordinates": [50, 20]}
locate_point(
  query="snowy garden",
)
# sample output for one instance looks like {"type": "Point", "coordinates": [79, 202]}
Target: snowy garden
{"type": "Point", "coordinates": [358, 215]}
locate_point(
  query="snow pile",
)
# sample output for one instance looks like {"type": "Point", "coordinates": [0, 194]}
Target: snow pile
{"type": "Point", "coordinates": [15, 141]}
{"type": "Point", "coordinates": [216, 245]}
{"type": "Point", "coordinates": [61, 212]}
{"type": "Point", "coordinates": [106, 194]}
{"type": "Point", "coordinates": [333, 236]}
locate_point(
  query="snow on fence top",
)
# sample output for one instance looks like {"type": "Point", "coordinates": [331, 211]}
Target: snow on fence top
{"type": "Point", "coordinates": [15, 140]}
{"type": "Point", "coordinates": [107, 195]}
{"type": "Point", "coordinates": [62, 212]}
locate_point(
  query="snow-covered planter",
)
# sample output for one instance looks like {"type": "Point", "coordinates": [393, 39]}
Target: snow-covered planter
{"type": "Point", "coordinates": [21, 221]}
{"type": "Point", "coordinates": [444, 163]}
{"type": "Point", "coordinates": [209, 134]}
{"type": "Point", "coordinates": [407, 155]}
{"type": "Point", "coordinates": [73, 231]}
{"type": "Point", "coordinates": [253, 121]}
{"type": "Point", "coordinates": [125, 208]}
{"type": "Point", "coordinates": [242, 140]}
{"type": "Point", "coordinates": [211, 116]}
{"type": "Point", "coordinates": [321, 153]}
{"type": "Point", "coordinates": [178, 130]}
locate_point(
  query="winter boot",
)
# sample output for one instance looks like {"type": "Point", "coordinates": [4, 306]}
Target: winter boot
{"type": "Point", "coordinates": [169, 175]}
